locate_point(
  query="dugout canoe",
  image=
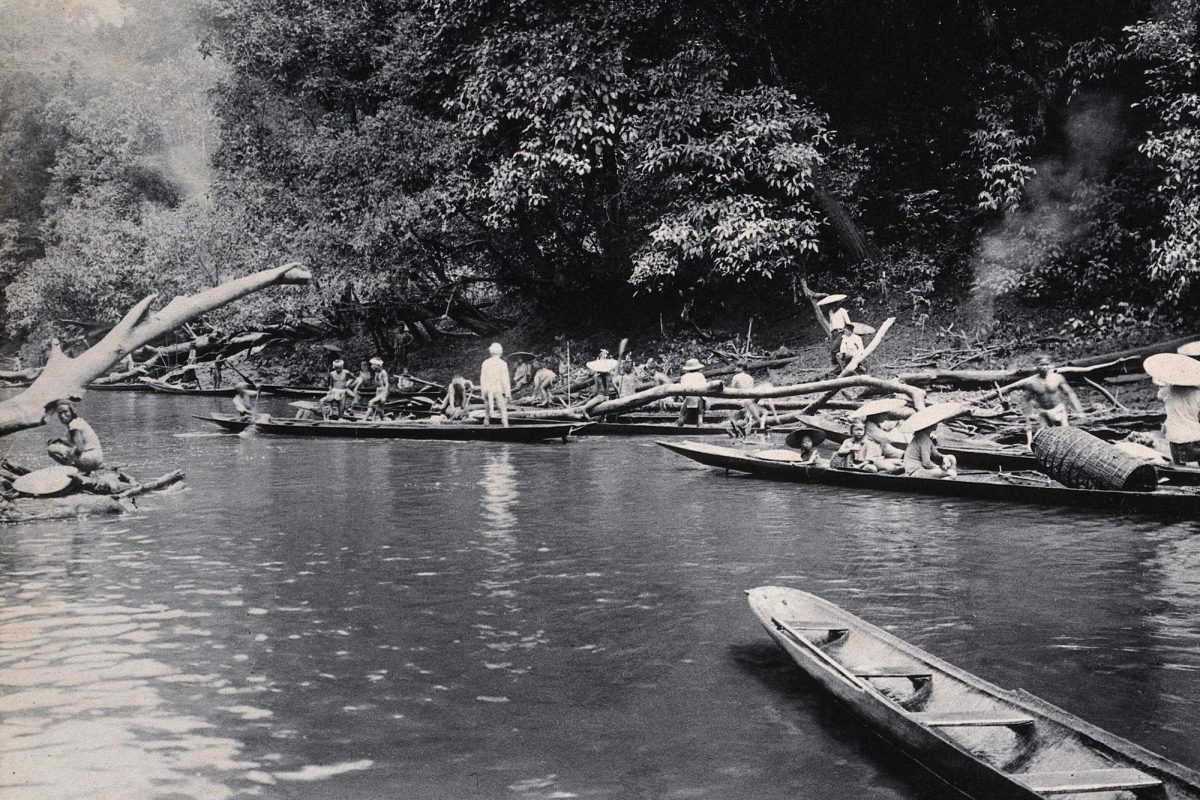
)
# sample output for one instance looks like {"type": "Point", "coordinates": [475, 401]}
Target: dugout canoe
{"type": "Point", "coordinates": [118, 387]}
{"type": "Point", "coordinates": [1181, 503]}
{"type": "Point", "coordinates": [989, 743]}
{"type": "Point", "coordinates": [162, 387]}
{"type": "Point", "coordinates": [226, 422]}
{"type": "Point", "coordinates": [986, 455]}
{"type": "Point", "coordinates": [282, 426]}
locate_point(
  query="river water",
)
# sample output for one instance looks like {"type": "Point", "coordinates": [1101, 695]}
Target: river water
{"type": "Point", "coordinates": [340, 619]}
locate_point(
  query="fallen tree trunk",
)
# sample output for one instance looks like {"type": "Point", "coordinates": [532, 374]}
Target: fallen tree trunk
{"type": "Point", "coordinates": [1120, 362]}
{"type": "Point", "coordinates": [717, 389]}
{"type": "Point", "coordinates": [65, 376]}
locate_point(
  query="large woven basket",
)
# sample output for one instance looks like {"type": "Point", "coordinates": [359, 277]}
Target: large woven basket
{"type": "Point", "coordinates": [1080, 460]}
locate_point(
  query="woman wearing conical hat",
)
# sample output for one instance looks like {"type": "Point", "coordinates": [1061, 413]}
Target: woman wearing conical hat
{"type": "Point", "coordinates": [922, 459]}
{"type": "Point", "coordinates": [1178, 376]}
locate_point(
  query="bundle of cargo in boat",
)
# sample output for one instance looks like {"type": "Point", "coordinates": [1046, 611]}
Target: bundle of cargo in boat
{"type": "Point", "coordinates": [1080, 460]}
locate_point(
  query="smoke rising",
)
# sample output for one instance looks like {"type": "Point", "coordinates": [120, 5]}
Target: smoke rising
{"type": "Point", "coordinates": [1032, 237]}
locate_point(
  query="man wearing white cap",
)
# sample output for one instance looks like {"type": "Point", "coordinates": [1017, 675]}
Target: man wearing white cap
{"type": "Point", "coordinates": [339, 387]}
{"type": "Point", "coordinates": [495, 385]}
{"type": "Point", "coordinates": [380, 377]}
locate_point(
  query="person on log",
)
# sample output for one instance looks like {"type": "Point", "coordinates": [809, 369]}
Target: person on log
{"type": "Point", "coordinates": [691, 409]}
{"type": "Point", "coordinates": [458, 393]}
{"type": "Point", "coordinates": [922, 459]}
{"type": "Point", "coordinates": [243, 401]}
{"type": "Point", "coordinates": [81, 449]}
{"type": "Point", "coordinates": [654, 372]}
{"type": "Point", "coordinates": [1178, 378]}
{"type": "Point", "coordinates": [333, 404]}
{"type": "Point", "coordinates": [1047, 397]}
{"type": "Point", "coordinates": [495, 385]}
{"type": "Point", "coordinates": [751, 414]}
{"type": "Point", "coordinates": [543, 380]}
{"type": "Point", "coordinates": [839, 322]}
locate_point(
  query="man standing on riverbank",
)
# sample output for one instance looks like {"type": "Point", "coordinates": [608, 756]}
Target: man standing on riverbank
{"type": "Point", "coordinates": [495, 385]}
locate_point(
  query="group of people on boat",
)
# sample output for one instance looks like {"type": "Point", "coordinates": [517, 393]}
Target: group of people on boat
{"type": "Point", "coordinates": [346, 388]}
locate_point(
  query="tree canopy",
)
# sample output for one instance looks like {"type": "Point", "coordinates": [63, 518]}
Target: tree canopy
{"type": "Point", "coordinates": [427, 157]}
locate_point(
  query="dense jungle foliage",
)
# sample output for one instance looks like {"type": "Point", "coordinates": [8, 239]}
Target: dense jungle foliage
{"type": "Point", "coordinates": [426, 157]}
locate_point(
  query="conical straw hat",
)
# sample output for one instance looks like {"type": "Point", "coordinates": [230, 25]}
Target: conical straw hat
{"type": "Point", "coordinates": [50, 480]}
{"type": "Point", "coordinates": [1173, 369]}
{"type": "Point", "coordinates": [602, 365]}
{"type": "Point", "coordinates": [794, 437]}
{"type": "Point", "coordinates": [829, 300]}
{"type": "Point", "coordinates": [930, 416]}
{"type": "Point", "coordinates": [884, 405]}
{"type": "Point", "coordinates": [1189, 349]}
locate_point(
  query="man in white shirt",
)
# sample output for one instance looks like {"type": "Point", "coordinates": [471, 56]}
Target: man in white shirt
{"type": "Point", "coordinates": [692, 378]}
{"type": "Point", "coordinates": [495, 386]}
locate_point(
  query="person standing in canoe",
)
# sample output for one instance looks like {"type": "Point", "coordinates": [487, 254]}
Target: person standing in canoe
{"type": "Point", "coordinates": [543, 380]}
{"type": "Point", "coordinates": [692, 408]}
{"type": "Point", "coordinates": [602, 367]}
{"type": "Point", "coordinates": [81, 449]}
{"type": "Point", "coordinates": [922, 459]}
{"type": "Point", "coordinates": [1178, 377]}
{"type": "Point", "coordinates": [1047, 396]}
{"type": "Point", "coordinates": [380, 378]}
{"type": "Point", "coordinates": [627, 382]}
{"type": "Point", "coordinates": [495, 385]}
{"type": "Point", "coordinates": [334, 402]}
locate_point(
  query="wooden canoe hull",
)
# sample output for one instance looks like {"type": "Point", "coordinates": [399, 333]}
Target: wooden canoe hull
{"type": "Point", "coordinates": [118, 387]}
{"type": "Point", "coordinates": [168, 388]}
{"type": "Point", "coordinates": [278, 426]}
{"type": "Point", "coordinates": [988, 761]}
{"type": "Point", "coordinates": [1000, 457]}
{"type": "Point", "coordinates": [229, 423]}
{"type": "Point", "coordinates": [1180, 503]}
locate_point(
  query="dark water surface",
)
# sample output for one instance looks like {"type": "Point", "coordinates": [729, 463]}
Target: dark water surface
{"type": "Point", "coordinates": [338, 619]}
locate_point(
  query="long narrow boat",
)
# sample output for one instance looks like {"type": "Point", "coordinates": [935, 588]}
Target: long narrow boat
{"type": "Point", "coordinates": [981, 455]}
{"type": "Point", "coordinates": [283, 426]}
{"type": "Point", "coordinates": [1164, 502]}
{"type": "Point", "coordinates": [989, 743]}
{"type": "Point", "coordinates": [229, 422]}
{"type": "Point", "coordinates": [170, 388]}
{"type": "Point", "coordinates": [119, 387]}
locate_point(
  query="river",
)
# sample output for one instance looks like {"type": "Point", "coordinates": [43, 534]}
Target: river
{"type": "Point", "coordinates": [341, 619]}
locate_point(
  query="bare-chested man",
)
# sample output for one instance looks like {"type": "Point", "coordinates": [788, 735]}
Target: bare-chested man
{"type": "Point", "coordinates": [1047, 397]}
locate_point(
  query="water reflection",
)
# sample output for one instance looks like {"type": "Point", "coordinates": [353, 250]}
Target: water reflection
{"type": "Point", "coordinates": [447, 621]}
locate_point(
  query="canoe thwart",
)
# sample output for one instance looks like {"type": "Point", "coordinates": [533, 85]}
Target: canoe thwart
{"type": "Point", "coordinates": [810, 625]}
{"type": "Point", "coordinates": [1089, 780]}
{"type": "Point", "coordinates": [971, 719]}
{"type": "Point", "coordinates": [894, 672]}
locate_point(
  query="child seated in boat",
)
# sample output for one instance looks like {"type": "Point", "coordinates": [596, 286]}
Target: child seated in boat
{"type": "Point", "coordinates": [806, 440]}
{"type": "Point", "coordinates": [857, 451]}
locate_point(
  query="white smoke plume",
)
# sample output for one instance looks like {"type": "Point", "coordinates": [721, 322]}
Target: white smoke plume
{"type": "Point", "coordinates": [1028, 239]}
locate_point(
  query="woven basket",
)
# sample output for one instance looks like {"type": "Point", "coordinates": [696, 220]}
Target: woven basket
{"type": "Point", "coordinates": [1080, 460]}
